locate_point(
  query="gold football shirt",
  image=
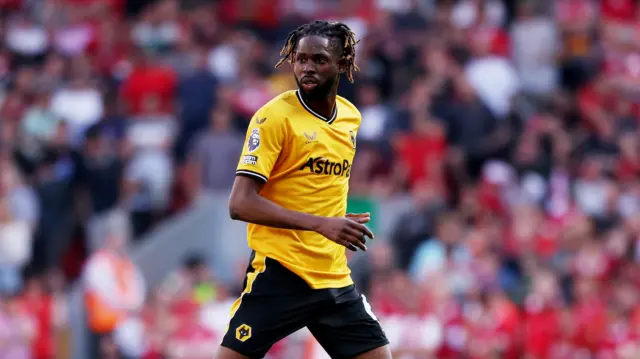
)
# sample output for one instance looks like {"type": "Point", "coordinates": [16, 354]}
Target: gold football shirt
{"type": "Point", "coordinates": [305, 161]}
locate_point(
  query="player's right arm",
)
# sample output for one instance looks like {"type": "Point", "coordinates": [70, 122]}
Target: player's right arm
{"type": "Point", "coordinates": [264, 141]}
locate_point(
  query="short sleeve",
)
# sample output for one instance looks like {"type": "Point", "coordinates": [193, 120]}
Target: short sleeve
{"type": "Point", "coordinates": [262, 146]}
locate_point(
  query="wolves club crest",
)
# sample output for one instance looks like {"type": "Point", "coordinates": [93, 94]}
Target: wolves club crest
{"type": "Point", "coordinates": [243, 333]}
{"type": "Point", "coordinates": [254, 140]}
{"type": "Point", "coordinates": [352, 136]}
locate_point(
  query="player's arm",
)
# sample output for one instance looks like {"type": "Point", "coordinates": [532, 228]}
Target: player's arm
{"type": "Point", "coordinates": [265, 138]}
{"type": "Point", "coordinates": [247, 205]}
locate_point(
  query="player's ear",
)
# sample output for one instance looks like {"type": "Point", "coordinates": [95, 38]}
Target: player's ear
{"type": "Point", "coordinates": [342, 65]}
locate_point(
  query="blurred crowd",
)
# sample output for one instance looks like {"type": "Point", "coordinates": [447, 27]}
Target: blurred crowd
{"type": "Point", "coordinates": [513, 125]}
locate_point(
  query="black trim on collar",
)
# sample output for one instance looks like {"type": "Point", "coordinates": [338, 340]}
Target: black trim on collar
{"type": "Point", "coordinates": [311, 111]}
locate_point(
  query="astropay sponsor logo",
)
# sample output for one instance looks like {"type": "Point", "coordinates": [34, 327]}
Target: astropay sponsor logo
{"type": "Point", "coordinates": [324, 166]}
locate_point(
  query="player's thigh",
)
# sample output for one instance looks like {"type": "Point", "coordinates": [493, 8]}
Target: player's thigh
{"type": "Point", "coordinates": [383, 352]}
{"type": "Point", "coordinates": [350, 331]}
{"type": "Point", "coordinates": [226, 353]}
{"type": "Point", "coordinates": [270, 308]}
{"type": "Point", "coordinates": [261, 321]}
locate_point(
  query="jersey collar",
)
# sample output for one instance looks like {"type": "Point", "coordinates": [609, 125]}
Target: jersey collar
{"type": "Point", "coordinates": [308, 108]}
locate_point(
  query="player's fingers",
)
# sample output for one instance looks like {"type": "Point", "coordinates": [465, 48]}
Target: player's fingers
{"type": "Point", "coordinates": [363, 229]}
{"type": "Point", "coordinates": [353, 238]}
{"type": "Point", "coordinates": [347, 244]}
{"type": "Point", "coordinates": [355, 215]}
{"type": "Point", "coordinates": [358, 234]}
{"type": "Point", "coordinates": [356, 240]}
{"type": "Point", "coordinates": [361, 219]}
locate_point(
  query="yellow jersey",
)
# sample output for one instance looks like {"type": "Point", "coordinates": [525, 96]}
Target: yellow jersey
{"type": "Point", "coordinates": [305, 161]}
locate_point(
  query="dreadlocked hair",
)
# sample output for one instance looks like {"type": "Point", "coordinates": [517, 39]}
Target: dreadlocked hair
{"type": "Point", "coordinates": [330, 30]}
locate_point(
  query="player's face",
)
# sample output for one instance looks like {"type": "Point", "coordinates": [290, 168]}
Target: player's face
{"type": "Point", "coordinates": [315, 67]}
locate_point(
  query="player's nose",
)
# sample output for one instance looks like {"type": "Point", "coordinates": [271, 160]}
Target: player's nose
{"type": "Point", "coordinates": [309, 68]}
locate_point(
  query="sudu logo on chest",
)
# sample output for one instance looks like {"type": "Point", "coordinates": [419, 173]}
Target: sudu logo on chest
{"type": "Point", "coordinates": [310, 137]}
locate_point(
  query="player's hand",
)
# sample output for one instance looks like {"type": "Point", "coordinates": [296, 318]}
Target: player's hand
{"type": "Point", "coordinates": [362, 218]}
{"type": "Point", "coordinates": [346, 231]}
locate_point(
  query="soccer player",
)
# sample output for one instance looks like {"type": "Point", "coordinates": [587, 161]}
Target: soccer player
{"type": "Point", "coordinates": [291, 187]}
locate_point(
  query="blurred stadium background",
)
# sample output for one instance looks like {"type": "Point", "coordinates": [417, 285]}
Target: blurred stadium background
{"type": "Point", "coordinates": [498, 154]}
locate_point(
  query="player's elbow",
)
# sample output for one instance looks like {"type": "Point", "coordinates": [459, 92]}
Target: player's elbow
{"type": "Point", "coordinates": [243, 198]}
{"type": "Point", "coordinates": [236, 208]}
{"type": "Point", "coordinates": [234, 211]}
{"type": "Point", "coordinates": [234, 214]}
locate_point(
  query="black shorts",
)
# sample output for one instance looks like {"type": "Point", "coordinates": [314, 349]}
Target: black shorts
{"type": "Point", "coordinates": [276, 303]}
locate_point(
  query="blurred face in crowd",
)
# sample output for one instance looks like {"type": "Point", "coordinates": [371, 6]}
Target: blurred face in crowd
{"type": "Point", "coordinates": [567, 325]}
{"type": "Point", "coordinates": [221, 118]}
{"type": "Point", "coordinates": [108, 348]}
{"type": "Point", "coordinates": [424, 194]}
{"type": "Point", "coordinates": [545, 286]}
{"type": "Point", "coordinates": [424, 125]}
{"type": "Point", "coordinates": [576, 231]}
{"type": "Point", "coordinates": [368, 95]}
{"type": "Point", "coordinates": [633, 224]}
{"type": "Point", "coordinates": [5, 215]}
{"type": "Point", "coordinates": [476, 242]}
{"type": "Point", "coordinates": [591, 168]}
{"type": "Point", "coordinates": [625, 296]}
{"type": "Point", "coordinates": [12, 305]}
{"type": "Point", "coordinates": [586, 289]}
{"type": "Point", "coordinates": [526, 221]}
{"type": "Point", "coordinates": [201, 273]}
{"type": "Point", "coordinates": [629, 145]}
{"type": "Point", "coordinates": [116, 243]}
{"type": "Point", "coordinates": [96, 146]}
{"type": "Point", "coordinates": [34, 286]}
{"type": "Point", "coordinates": [316, 67]}
{"type": "Point", "coordinates": [464, 90]}
{"type": "Point", "coordinates": [74, 15]}
{"type": "Point", "coordinates": [420, 96]}
{"type": "Point", "coordinates": [612, 195]}
{"type": "Point", "coordinates": [151, 104]}
{"type": "Point", "coordinates": [382, 257]}
{"type": "Point", "coordinates": [25, 80]}
{"type": "Point", "coordinates": [435, 59]}
{"type": "Point", "coordinates": [403, 288]}
{"type": "Point", "coordinates": [528, 149]}
{"type": "Point", "coordinates": [81, 70]}
{"type": "Point", "coordinates": [166, 10]}
{"type": "Point", "coordinates": [624, 108]}
{"type": "Point", "coordinates": [60, 138]}
{"type": "Point", "coordinates": [43, 100]}
{"type": "Point", "coordinates": [9, 177]}
{"type": "Point", "coordinates": [449, 229]}
{"type": "Point", "coordinates": [617, 243]}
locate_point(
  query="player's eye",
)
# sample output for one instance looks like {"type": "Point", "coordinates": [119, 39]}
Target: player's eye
{"type": "Point", "coordinates": [321, 61]}
{"type": "Point", "coordinates": [301, 60]}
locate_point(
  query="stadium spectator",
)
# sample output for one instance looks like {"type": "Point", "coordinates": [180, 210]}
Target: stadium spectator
{"type": "Point", "coordinates": [17, 329]}
{"type": "Point", "coordinates": [215, 151]}
{"type": "Point", "coordinates": [15, 245]}
{"type": "Point", "coordinates": [114, 292]}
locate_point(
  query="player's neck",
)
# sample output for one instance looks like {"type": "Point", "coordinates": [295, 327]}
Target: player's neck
{"type": "Point", "coordinates": [325, 105]}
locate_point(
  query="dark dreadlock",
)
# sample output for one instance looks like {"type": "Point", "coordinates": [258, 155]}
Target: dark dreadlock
{"type": "Point", "coordinates": [329, 30]}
